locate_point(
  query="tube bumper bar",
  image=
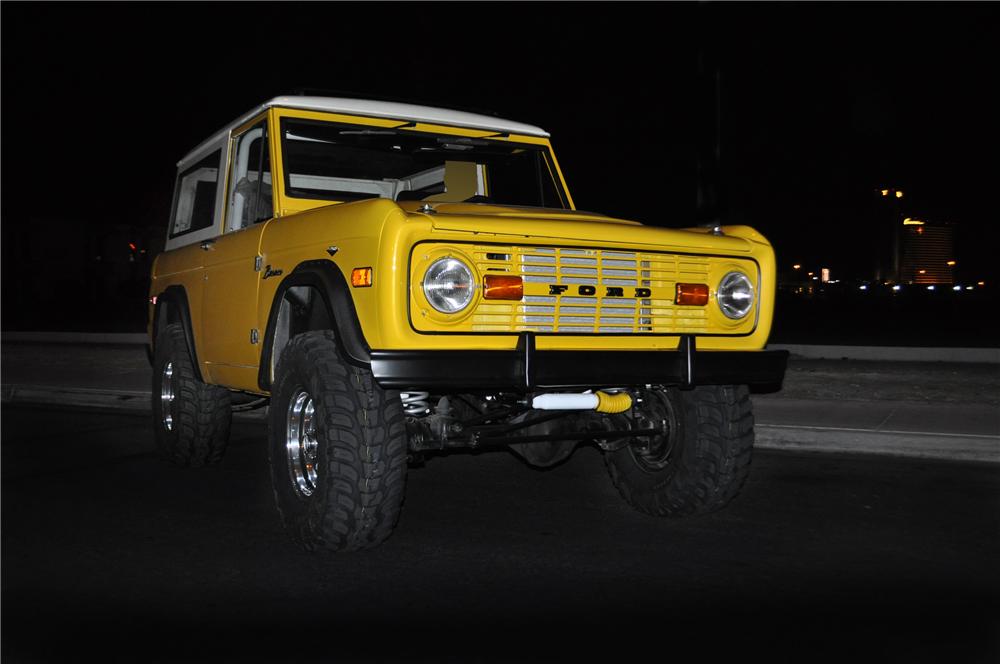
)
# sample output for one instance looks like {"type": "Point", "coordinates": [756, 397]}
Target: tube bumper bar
{"type": "Point", "coordinates": [526, 368]}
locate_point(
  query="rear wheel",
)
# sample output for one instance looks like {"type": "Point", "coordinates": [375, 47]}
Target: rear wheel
{"type": "Point", "coordinates": [337, 445]}
{"type": "Point", "coordinates": [191, 418]}
{"type": "Point", "coordinates": [701, 461]}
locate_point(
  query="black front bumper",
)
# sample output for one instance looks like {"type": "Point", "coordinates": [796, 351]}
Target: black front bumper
{"type": "Point", "coordinates": [526, 368]}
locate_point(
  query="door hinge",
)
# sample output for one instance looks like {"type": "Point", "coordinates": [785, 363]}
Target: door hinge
{"type": "Point", "coordinates": [254, 336]}
{"type": "Point", "coordinates": [258, 262]}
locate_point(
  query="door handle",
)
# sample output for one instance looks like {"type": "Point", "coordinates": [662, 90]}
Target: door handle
{"type": "Point", "coordinates": [208, 244]}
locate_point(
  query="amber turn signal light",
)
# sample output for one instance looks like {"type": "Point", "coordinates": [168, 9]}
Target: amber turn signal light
{"type": "Point", "coordinates": [502, 287]}
{"type": "Point", "coordinates": [361, 277]}
{"type": "Point", "coordinates": [695, 295]}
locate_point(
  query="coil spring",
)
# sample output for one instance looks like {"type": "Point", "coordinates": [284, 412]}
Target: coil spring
{"type": "Point", "coordinates": [415, 404]}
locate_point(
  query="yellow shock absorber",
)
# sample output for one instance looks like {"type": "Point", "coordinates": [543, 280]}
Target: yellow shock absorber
{"type": "Point", "coordinates": [613, 403]}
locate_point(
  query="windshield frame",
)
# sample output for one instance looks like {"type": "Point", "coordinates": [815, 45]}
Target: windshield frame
{"type": "Point", "coordinates": [292, 203]}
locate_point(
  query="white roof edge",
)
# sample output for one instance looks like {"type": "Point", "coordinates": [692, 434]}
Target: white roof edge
{"type": "Point", "coordinates": [378, 109]}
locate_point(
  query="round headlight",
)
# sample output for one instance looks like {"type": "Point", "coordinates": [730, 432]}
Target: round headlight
{"type": "Point", "coordinates": [735, 295]}
{"type": "Point", "coordinates": [448, 285]}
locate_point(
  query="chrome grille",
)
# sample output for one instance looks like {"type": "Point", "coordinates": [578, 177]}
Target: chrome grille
{"type": "Point", "coordinates": [572, 313]}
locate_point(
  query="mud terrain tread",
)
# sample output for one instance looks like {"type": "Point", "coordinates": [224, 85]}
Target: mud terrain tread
{"type": "Point", "coordinates": [726, 440]}
{"type": "Point", "coordinates": [363, 474]}
{"type": "Point", "coordinates": [712, 465]}
{"type": "Point", "coordinates": [203, 412]}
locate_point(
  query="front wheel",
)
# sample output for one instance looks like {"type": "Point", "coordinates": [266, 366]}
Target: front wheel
{"type": "Point", "coordinates": [337, 448]}
{"type": "Point", "coordinates": [700, 462]}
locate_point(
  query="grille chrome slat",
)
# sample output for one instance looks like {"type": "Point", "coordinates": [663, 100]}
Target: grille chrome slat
{"type": "Point", "coordinates": [538, 259]}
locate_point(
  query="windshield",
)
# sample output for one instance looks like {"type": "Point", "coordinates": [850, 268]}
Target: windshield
{"type": "Point", "coordinates": [342, 162]}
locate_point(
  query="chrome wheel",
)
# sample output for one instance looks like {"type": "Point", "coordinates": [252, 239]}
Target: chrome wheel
{"type": "Point", "coordinates": [167, 396]}
{"type": "Point", "coordinates": [301, 446]}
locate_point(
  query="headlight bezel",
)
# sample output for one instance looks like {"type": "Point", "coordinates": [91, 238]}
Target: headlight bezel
{"type": "Point", "coordinates": [735, 304]}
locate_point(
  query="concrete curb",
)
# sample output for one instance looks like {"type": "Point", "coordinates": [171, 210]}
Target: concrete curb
{"type": "Point", "coordinates": [137, 401]}
{"type": "Point", "coordinates": [808, 351]}
{"type": "Point", "coordinates": [74, 338]}
{"type": "Point", "coordinates": [892, 353]}
{"type": "Point", "coordinates": [952, 447]}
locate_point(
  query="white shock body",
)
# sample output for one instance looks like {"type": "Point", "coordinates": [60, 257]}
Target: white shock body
{"type": "Point", "coordinates": [565, 402]}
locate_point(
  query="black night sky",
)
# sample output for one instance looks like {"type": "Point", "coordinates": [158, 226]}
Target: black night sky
{"type": "Point", "coordinates": [820, 106]}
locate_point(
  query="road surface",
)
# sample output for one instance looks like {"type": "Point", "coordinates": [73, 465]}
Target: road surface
{"type": "Point", "coordinates": [110, 553]}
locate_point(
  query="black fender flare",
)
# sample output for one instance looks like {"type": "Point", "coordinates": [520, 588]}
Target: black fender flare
{"type": "Point", "coordinates": [178, 312]}
{"type": "Point", "coordinates": [326, 278]}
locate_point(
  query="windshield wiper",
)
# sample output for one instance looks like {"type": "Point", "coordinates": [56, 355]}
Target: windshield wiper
{"type": "Point", "coordinates": [368, 132]}
{"type": "Point", "coordinates": [461, 140]}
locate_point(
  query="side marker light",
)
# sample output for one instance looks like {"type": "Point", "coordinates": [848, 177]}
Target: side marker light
{"type": "Point", "coordinates": [361, 277]}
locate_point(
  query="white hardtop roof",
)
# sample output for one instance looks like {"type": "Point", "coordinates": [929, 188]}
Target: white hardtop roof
{"type": "Point", "coordinates": [380, 109]}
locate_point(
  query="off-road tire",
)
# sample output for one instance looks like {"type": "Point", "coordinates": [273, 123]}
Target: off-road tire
{"type": "Point", "coordinates": [199, 414]}
{"type": "Point", "coordinates": [359, 445]}
{"type": "Point", "coordinates": [708, 460]}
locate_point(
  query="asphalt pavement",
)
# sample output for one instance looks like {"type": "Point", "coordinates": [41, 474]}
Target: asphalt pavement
{"type": "Point", "coordinates": [923, 409]}
{"type": "Point", "coordinates": [866, 556]}
{"type": "Point", "coordinates": [110, 554]}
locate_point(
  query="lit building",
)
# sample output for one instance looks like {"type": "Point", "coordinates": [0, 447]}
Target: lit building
{"type": "Point", "coordinates": [927, 253]}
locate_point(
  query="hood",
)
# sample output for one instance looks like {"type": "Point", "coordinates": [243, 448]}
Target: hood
{"type": "Point", "coordinates": [509, 222]}
{"type": "Point", "coordinates": [480, 210]}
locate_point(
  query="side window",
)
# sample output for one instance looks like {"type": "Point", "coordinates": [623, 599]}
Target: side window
{"type": "Point", "coordinates": [194, 207]}
{"type": "Point", "coordinates": [250, 198]}
{"type": "Point", "coordinates": [526, 177]}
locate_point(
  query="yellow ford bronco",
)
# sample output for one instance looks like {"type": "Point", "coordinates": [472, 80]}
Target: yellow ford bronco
{"type": "Point", "coordinates": [393, 279]}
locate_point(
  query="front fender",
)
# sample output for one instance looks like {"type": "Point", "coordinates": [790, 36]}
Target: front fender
{"type": "Point", "coordinates": [326, 278]}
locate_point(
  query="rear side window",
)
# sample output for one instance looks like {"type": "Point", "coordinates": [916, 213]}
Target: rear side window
{"type": "Point", "coordinates": [194, 197]}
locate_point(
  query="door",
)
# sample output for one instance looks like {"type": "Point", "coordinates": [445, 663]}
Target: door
{"type": "Point", "coordinates": [232, 269]}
